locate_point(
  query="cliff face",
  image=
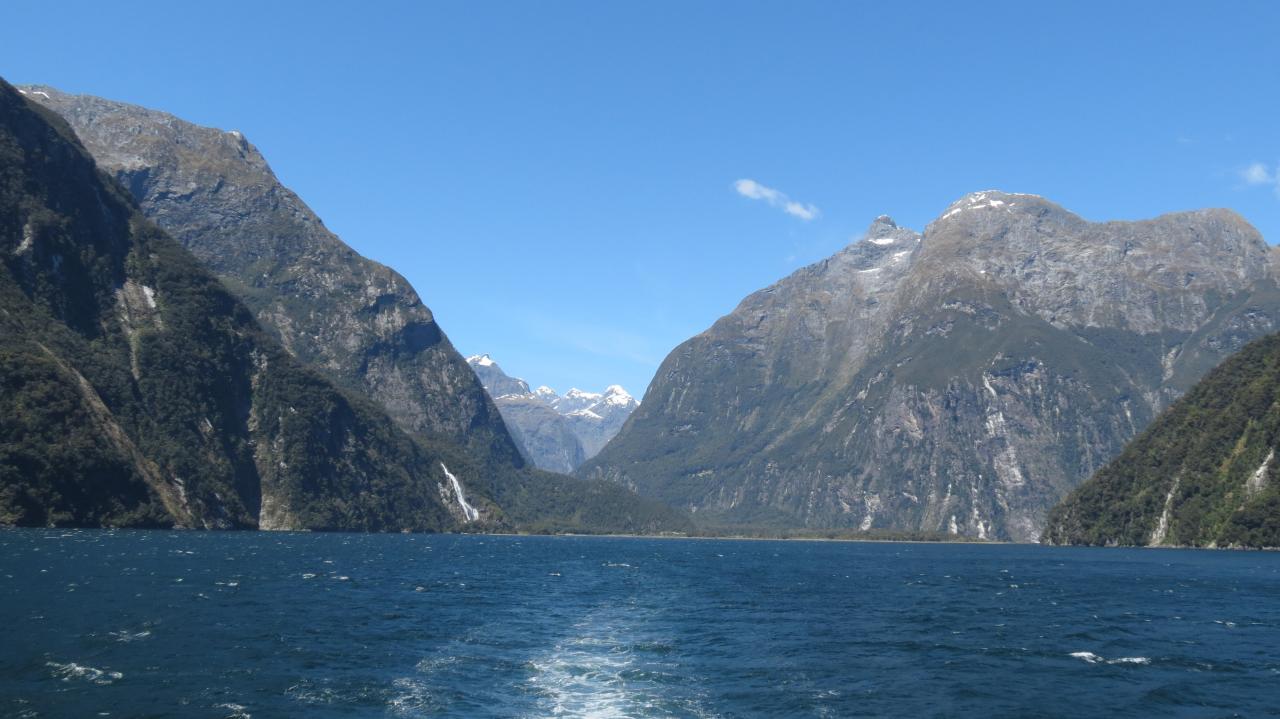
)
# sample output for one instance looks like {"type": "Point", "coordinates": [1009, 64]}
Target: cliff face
{"type": "Point", "coordinates": [138, 392]}
{"type": "Point", "coordinates": [357, 321]}
{"type": "Point", "coordinates": [1203, 474]}
{"type": "Point", "coordinates": [961, 380]}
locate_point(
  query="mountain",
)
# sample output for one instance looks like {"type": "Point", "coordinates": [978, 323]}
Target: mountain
{"type": "Point", "coordinates": [1203, 474]}
{"type": "Point", "coordinates": [137, 391]}
{"type": "Point", "coordinates": [596, 417]}
{"type": "Point", "coordinates": [355, 320]}
{"type": "Point", "coordinates": [961, 380]}
{"type": "Point", "coordinates": [555, 433]}
{"type": "Point", "coordinates": [140, 391]}
{"type": "Point", "coordinates": [544, 437]}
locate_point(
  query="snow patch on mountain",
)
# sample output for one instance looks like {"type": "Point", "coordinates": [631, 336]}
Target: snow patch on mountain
{"type": "Point", "coordinates": [590, 418]}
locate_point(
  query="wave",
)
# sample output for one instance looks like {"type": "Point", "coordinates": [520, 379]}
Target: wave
{"type": "Point", "coordinates": [125, 635]}
{"type": "Point", "coordinates": [237, 711]}
{"type": "Point", "coordinates": [70, 670]}
{"type": "Point", "coordinates": [1092, 658]}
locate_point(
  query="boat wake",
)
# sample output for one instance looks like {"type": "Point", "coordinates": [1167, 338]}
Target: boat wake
{"type": "Point", "coordinates": [612, 666]}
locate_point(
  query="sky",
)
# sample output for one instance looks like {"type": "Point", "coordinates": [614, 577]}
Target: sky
{"type": "Point", "coordinates": [578, 187]}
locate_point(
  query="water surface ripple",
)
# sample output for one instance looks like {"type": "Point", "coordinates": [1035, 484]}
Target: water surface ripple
{"type": "Point", "coordinates": [189, 624]}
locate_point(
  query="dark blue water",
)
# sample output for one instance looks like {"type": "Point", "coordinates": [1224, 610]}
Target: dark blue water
{"type": "Point", "coordinates": [188, 624]}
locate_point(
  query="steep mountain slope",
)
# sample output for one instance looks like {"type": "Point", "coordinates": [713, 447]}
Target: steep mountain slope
{"type": "Point", "coordinates": [138, 392]}
{"type": "Point", "coordinates": [555, 433]}
{"type": "Point", "coordinates": [1203, 474]}
{"type": "Point", "coordinates": [961, 380]}
{"type": "Point", "coordinates": [359, 322]}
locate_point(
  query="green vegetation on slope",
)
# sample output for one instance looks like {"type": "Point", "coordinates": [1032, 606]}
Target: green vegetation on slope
{"type": "Point", "coordinates": [1203, 474]}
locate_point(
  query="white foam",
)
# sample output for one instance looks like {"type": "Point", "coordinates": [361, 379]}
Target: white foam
{"type": "Point", "coordinates": [1092, 658]}
{"type": "Point", "coordinates": [71, 670]}
{"type": "Point", "coordinates": [128, 636]}
{"type": "Point", "coordinates": [595, 672]}
{"type": "Point", "coordinates": [237, 710]}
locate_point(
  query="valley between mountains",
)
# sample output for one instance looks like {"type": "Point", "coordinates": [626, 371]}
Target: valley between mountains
{"type": "Point", "coordinates": [186, 344]}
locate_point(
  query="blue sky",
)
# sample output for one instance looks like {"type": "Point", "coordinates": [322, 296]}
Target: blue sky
{"type": "Point", "coordinates": [559, 180]}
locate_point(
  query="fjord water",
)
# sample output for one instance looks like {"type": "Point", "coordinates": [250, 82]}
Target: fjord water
{"type": "Point", "coordinates": [114, 623]}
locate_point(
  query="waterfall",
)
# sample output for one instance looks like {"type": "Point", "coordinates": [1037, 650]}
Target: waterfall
{"type": "Point", "coordinates": [470, 513]}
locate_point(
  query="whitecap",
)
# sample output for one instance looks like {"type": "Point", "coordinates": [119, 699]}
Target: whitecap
{"type": "Point", "coordinates": [1092, 658]}
{"type": "Point", "coordinates": [237, 710]}
{"type": "Point", "coordinates": [1130, 660]}
{"type": "Point", "coordinates": [71, 670]}
{"type": "Point", "coordinates": [125, 635]}
{"type": "Point", "coordinates": [1087, 656]}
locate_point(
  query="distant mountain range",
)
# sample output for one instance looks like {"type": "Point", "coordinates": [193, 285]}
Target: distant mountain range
{"type": "Point", "coordinates": [303, 387]}
{"type": "Point", "coordinates": [555, 433]}
{"type": "Point", "coordinates": [1204, 474]}
{"type": "Point", "coordinates": [960, 380]}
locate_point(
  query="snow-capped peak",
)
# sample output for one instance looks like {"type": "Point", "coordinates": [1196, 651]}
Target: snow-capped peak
{"type": "Point", "coordinates": [993, 199]}
{"type": "Point", "coordinates": [545, 391]}
{"type": "Point", "coordinates": [575, 393]}
{"type": "Point", "coordinates": [481, 360]}
{"type": "Point", "coordinates": [614, 394]}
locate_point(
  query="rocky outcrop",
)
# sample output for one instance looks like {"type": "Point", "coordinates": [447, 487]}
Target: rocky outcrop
{"type": "Point", "coordinates": [357, 321]}
{"type": "Point", "coordinates": [961, 380]}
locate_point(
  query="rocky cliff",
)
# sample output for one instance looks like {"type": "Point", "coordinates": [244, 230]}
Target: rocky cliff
{"type": "Point", "coordinates": [961, 380]}
{"type": "Point", "coordinates": [1203, 474]}
{"type": "Point", "coordinates": [137, 391]}
{"type": "Point", "coordinates": [357, 321]}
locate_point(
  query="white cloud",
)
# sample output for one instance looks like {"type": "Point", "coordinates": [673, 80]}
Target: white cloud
{"type": "Point", "coordinates": [755, 191]}
{"type": "Point", "coordinates": [1257, 174]}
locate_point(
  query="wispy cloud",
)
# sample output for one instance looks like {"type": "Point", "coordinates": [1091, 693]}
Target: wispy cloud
{"type": "Point", "coordinates": [1257, 173]}
{"type": "Point", "coordinates": [776, 198]}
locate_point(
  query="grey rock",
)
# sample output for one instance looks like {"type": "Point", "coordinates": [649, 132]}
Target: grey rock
{"type": "Point", "coordinates": [356, 320]}
{"type": "Point", "coordinates": [962, 380]}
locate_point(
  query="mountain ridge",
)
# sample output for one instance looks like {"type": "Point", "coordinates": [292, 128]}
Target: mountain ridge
{"type": "Point", "coordinates": [310, 452]}
{"type": "Point", "coordinates": [139, 392]}
{"type": "Point", "coordinates": [358, 321]}
{"type": "Point", "coordinates": [963, 378]}
{"type": "Point", "coordinates": [555, 432]}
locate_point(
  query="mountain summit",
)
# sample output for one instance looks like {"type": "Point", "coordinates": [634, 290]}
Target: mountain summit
{"type": "Point", "coordinates": [959, 380]}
